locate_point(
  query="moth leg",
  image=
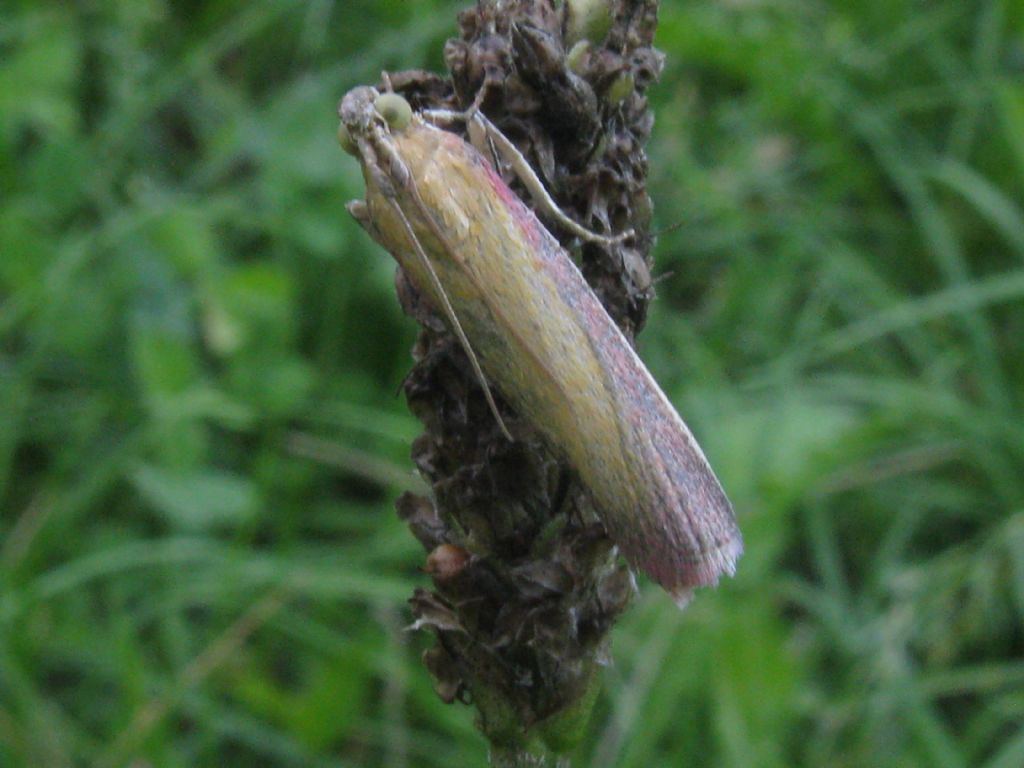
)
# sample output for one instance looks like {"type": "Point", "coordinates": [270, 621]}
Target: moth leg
{"type": "Point", "coordinates": [450, 313]}
{"type": "Point", "coordinates": [510, 153]}
{"type": "Point", "coordinates": [480, 137]}
{"type": "Point", "coordinates": [490, 141]}
{"type": "Point", "coordinates": [359, 212]}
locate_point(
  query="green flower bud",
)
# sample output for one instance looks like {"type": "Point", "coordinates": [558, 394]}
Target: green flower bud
{"type": "Point", "coordinates": [620, 88]}
{"type": "Point", "coordinates": [587, 20]}
{"type": "Point", "coordinates": [577, 55]}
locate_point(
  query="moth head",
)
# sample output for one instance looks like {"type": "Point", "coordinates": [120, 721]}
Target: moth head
{"type": "Point", "coordinates": [365, 113]}
{"type": "Point", "coordinates": [358, 117]}
{"type": "Point", "coordinates": [369, 119]}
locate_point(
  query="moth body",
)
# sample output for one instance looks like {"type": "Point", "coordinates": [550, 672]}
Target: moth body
{"type": "Point", "coordinates": [546, 343]}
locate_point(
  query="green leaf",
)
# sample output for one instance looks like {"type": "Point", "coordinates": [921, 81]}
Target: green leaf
{"type": "Point", "coordinates": [196, 501]}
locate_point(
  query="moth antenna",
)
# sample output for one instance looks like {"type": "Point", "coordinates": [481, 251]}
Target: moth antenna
{"type": "Point", "coordinates": [452, 317]}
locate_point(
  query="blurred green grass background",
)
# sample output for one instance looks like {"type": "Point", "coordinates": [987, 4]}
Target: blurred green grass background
{"type": "Point", "coordinates": [200, 438]}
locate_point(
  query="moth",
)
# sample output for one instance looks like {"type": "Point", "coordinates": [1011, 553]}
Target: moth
{"type": "Point", "coordinates": [534, 330]}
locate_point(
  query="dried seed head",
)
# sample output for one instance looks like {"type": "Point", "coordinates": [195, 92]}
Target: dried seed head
{"type": "Point", "coordinates": [447, 682]}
